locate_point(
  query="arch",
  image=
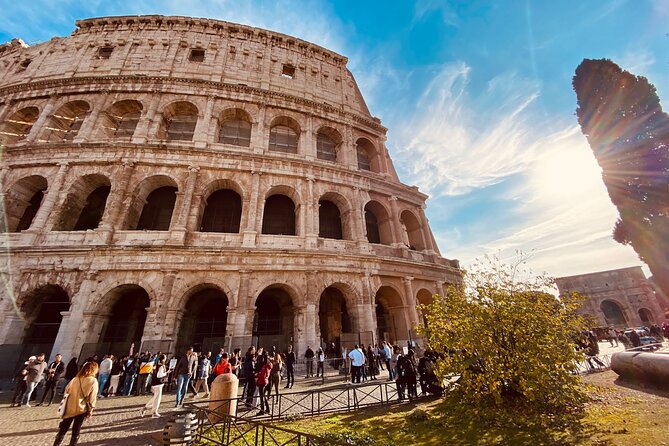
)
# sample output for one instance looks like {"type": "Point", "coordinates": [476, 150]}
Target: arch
{"type": "Point", "coordinates": [85, 204]}
{"type": "Point", "coordinates": [204, 323]}
{"type": "Point", "coordinates": [235, 127]}
{"type": "Point", "coordinates": [41, 309]}
{"type": "Point", "coordinates": [424, 297]}
{"type": "Point", "coordinates": [222, 212]}
{"type": "Point", "coordinates": [126, 311]}
{"type": "Point", "coordinates": [368, 158]}
{"type": "Point", "coordinates": [179, 121]}
{"type": "Point", "coordinates": [413, 229]}
{"type": "Point", "coordinates": [17, 127]}
{"type": "Point", "coordinates": [284, 135]}
{"type": "Point", "coordinates": [120, 120]}
{"type": "Point", "coordinates": [329, 220]}
{"type": "Point", "coordinates": [279, 215]}
{"type": "Point", "coordinates": [273, 320]}
{"type": "Point", "coordinates": [328, 141]}
{"type": "Point", "coordinates": [646, 317]}
{"type": "Point", "coordinates": [344, 208]}
{"type": "Point", "coordinates": [156, 212]}
{"type": "Point", "coordinates": [377, 224]}
{"type": "Point", "coordinates": [613, 313]}
{"type": "Point", "coordinates": [22, 202]}
{"type": "Point", "coordinates": [64, 124]}
{"type": "Point", "coordinates": [333, 316]}
{"type": "Point", "coordinates": [390, 314]}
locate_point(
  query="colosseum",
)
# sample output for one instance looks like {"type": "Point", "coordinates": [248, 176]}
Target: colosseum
{"type": "Point", "coordinates": [174, 181]}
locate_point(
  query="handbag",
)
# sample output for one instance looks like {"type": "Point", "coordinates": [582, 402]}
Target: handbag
{"type": "Point", "coordinates": [63, 405]}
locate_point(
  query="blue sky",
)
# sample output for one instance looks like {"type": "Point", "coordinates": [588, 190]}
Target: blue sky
{"type": "Point", "coordinates": [476, 95]}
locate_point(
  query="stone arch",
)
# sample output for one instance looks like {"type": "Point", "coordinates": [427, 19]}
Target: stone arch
{"type": "Point", "coordinates": [330, 218]}
{"type": "Point", "coordinates": [204, 320]}
{"type": "Point", "coordinates": [391, 315]}
{"type": "Point", "coordinates": [274, 316]}
{"type": "Point", "coordinates": [281, 211]}
{"type": "Point", "coordinates": [284, 135]}
{"type": "Point", "coordinates": [85, 204]}
{"type": "Point", "coordinates": [424, 297]}
{"type": "Point", "coordinates": [161, 206]}
{"type": "Point", "coordinates": [23, 200]}
{"type": "Point", "coordinates": [65, 122]}
{"type": "Point", "coordinates": [613, 313]}
{"type": "Point", "coordinates": [235, 126]}
{"type": "Point", "coordinates": [413, 230]}
{"type": "Point", "coordinates": [328, 143]}
{"type": "Point", "coordinates": [221, 207]}
{"type": "Point", "coordinates": [124, 310]}
{"type": "Point", "coordinates": [98, 301]}
{"type": "Point", "coordinates": [377, 223]}
{"type": "Point", "coordinates": [179, 121]}
{"type": "Point", "coordinates": [337, 313]}
{"type": "Point", "coordinates": [120, 120]}
{"type": "Point", "coordinates": [18, 125]}
{"type": "Point", "coordinates": [41, 309]}
{"type": "Point", "coordinates": [646, 316]}
{"type": "Point", "coordinates": [367, 155]}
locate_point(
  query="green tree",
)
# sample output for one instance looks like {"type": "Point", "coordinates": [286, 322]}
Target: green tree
{"type": "Point", "coordinates": [628, 132]}
{"type": "Point", "coordinates": [506, 339]}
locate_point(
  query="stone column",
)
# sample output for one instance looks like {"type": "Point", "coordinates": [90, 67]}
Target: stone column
{"type": "Point", "coordinates": [88, 127]}
{"type": "Point", "coordinates": [410, 300]}
{"type": "Point", "coordinates": [309, 228]}
{"type": "Point", "coordinates": [350, 158]}
{"type": "Point", "coordinates": [144, 128]}
{"type": "Point", "coordinates": [201, 136]}
{"type": "Point", "coordinates": [358, 226]}
{"type": "Point", "coordinates": [39, 124]}
{"type": "Point", "coordinates": [258, 141]}
{"type": "Point", "coordinates": [308, 148]}
{"type": "Point", "coordinates": [300, 340]}
{"type": "Point", "coordinates": [231, 320]}
{"type": "Point", "coordinates": [244, 307]}
{"type": "Point", "coordinates": [395, 224]}
{"type": "Point", "coordinates": [383, 156]}
{"type": "Point", "coordinates": [53, 192]}
{"type": "Point", "coordinates": [427, 234]}
{"type": "Point", "coordinates": [440, 288]}
{"type": "Point", "coordinates": [156, 326]}
{"type": "Point", "coordinates": [178, 232]}
{"type": "Point", "coordinates": [250, 225]}
{"type": "Point", "coordinates": [112, 214]}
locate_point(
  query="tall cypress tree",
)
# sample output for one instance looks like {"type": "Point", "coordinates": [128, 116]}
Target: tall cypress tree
{"type": "Point", "coordinates": [628, 132]}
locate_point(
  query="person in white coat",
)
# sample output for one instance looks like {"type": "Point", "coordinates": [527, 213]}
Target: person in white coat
{"type": "Point", "coordinates": [158, 380]}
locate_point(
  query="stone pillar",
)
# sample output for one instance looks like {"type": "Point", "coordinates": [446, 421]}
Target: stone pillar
{"type": "Point", "coordinates": [427, 234]}
{"type": "Point", "coordinates": [358, 225]}
{"type": "Point", "coordinates": [410, 300]}
{"type": "Point", "coordinates": [146, 121]}
{"type": "Point", "coordinates": [244, 307]}
{"type": "Point", "coordinates": [112, 213]}
{"type": "Point", "coordinates": [231, 320]}
{"type": "Point", "coordinates": [309, 228]}
{"type": "Point", "coordinates": [308, 148]}
{"type": "Point", "coordinates": [178, 232]}
{"type": "Point", "coordinates": [201, 133]}
{"type": "Point", "coordinates": [395, 224]}
{"type": "Point", "coordinates": [440, 288]}
{"type": "Point", "coordinates": [88, 127]}
{"type": "Point", "coordinates": [39, 124]}
{"type": "Point", "coordinates": [258, 141]}
{"type": "Point", "coordinates": [350, 158]}
{"type": "Point", "coordinates": [252, 224]}
{"type": "Point", "coordinates": [40, 223]}
{"type": "Point", "coordinates": [300, 337]}
{"type": "Point", "coordinates": [155, 327]}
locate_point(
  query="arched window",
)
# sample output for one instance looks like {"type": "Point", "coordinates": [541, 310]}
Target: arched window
{"type": "Point", "coordinates": [18, 126]}
{"type": "Point", "coordinates": [223, 212]}
{"type": "Point", "coordinates": [22, 202]}
{"type": "Point", "coordinates": [377, 224]}
{"type": "Point", "coordinates": [43, 314]}
{"type": "Point", "coordinates": [414, 230]}
{"type": "Point", "coordinates": [31, 210]}
{"type": "Point", "coordinates": [279, 216]}
{"type": "Point", "coordinates": [92, 212]}
{"type": "Point", "coordinates": [372, 226]}
{"type": "Point", "coordinates": [121, 119]}
{"type": "Point", "coordinates": [65, 123]}
{"type": "Point", "coordinates": [366, 155]}
{"type": "Point", "coordinates": [157, 212]}
{"type": "Point", "coordinates": [327, 142]}
{"type": "Point", "coordinates": [85, 204]}
{"type": "Point", "coordinates": [235, 132]}
{"type": "Point", "coordinates": [282, 139]}
{"type": "Point", "coordinates": [179, 121]}
{"type": "Point", "coordinates": [329, 220]}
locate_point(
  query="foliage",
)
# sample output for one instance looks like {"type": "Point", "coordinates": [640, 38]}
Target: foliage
{"type": "Point", "coordinates": [628, 132]}
{"type": "Point", "coordinates": [347, 436]}
{"type": "Point", "coordinates": [506, 340]}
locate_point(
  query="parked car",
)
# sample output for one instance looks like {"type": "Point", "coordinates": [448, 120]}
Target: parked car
{"type": "Point", "coordinates": [644, 337]}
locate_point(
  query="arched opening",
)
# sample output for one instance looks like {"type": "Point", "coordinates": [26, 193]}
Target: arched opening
{"type": "Point", "coordinates": [85, 204]}
{"type": "Point", "coordinates": [179, 121]}
{"type": "Point", "coordinates": [327, 144]}
{"type": "Point", "coordinates": [424, 297]}
{"type": "Point", "coordinates": [223, 212]}
{"type": "Point", "coordinates": [17, 127]}
{"type": "Point", "coordinates": [42, 310]}
{"type": "Point", "coordinates": [121, 119]}
{"type": "Point", "coordinates": [377, 224]}
{"type": "Point", "coordinates": [204, 321]}
{"type": "Point", "coordinates": [390, 315]}
{"type": "Point", "coordinates": [329, 220]}
{"type": "Point", "coordinates": [273, 319]}
{"type": "Point", "coordinates": [279, 216]}
{"type": "Point", "coordinates": [235, 128]}
{"type": "Point", "coordinates": [414, 231]}
{"type": "Point", "coordinates": [646, 317]}
{"type": "Point", "coordinates": [157, 212]}
{"type": "Point", "coordinates": [333, 317]}
{"type": "Point", "coordinates": [127, 317]}
{"type": "Point", "coordinates": [65, 123]}
{"type": "Point", "coordinates": [367, 156]}
{"type": "Point", "coordinates": [284, 135]}
{"type": "Point", "coordinates": [23, 201]}
{"type": "Point", "coordinates": [613, 313]}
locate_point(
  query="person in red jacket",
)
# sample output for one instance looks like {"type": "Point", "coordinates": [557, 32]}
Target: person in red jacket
{"type": "Point", "coordinates": [262, 381]}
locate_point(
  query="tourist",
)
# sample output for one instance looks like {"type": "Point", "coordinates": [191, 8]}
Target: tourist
{"type": "Point", "coordinates": [373, 365]}
{"type": "Point", "coordinates": [379, 354]}
{"type": "Point", "coordinates": [320, 363]}
{"type": "Point", "coordinates": [275, 375]}
{"type": "Point", "coordinates": [116, 371]}
{"type": "Point", "coordinates": [249, 375]}
{"type": "Point", "coordinates": [54, 376]}
{"type": "Point", "coordinates": [184, 372]}
{"type": "Point", "coordinates": [20, 385]}
{"type": "Point", "coordinates": [388, 353]}
{"type": "Point", "coordinates": [158, 380]}
{"type": "Point", "coordinates": [291, 358]}
{"type": "Point", "coordinates": [34, 374]}
{"type": "Point", "coordinates": [400, 370]}
{"type": "Point", "coordinates": [634, 337]}
{"type": "Point", "coordinates": [357, 363]}
{"type": "Point", "coordinates": [613, 336]}
{"type": "Point", "coordinates": [131, 370]}
{"type": "Point", "coordinates": [309, 360]}
{"type": "Point", "coordinates": [83, 391]}
{"type": "Point", "coordinates": [262, 380]}
{"type": "Point", "coordinates": [223, 365]}
{"type": "Point", "coordinates": [202, 375]}
{"type": "Point", "coordinates": [593, 351]}
{"type": "Point", "coordinates": [236, 361]}
{"type": "Point", "coordinates": [392, 366]}
{"type": "Point", "coordinates": [104, 373]}
{"type": "Point", "coordinates": [145, 369]}
{"type": "Point", "coordinates": [410, 375]}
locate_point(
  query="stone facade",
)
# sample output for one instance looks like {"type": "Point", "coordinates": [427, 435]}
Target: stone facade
{"type": "Point", "coordinates": [620, 297]}
{"type": "Point", "coordinates": [163, 169]}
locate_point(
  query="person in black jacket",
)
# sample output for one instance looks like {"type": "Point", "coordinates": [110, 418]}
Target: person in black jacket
{"type": "Point", "coordinates": [249, 375]}
{"type": "Point", "coordinates": [54, 376]}
{"type": "Point", "coordinates": [290, 367]}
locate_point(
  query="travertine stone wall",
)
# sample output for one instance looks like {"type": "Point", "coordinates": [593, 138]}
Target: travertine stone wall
{"type": "Point", "coordinates": [265, 76]}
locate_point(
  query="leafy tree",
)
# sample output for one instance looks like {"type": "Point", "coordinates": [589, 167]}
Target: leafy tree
{"type": "Point", "coordinates": [621, 116]}
{"type": "Point", "coordinates": [506, 339]}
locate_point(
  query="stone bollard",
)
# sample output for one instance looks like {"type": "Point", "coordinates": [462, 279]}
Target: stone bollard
{"type": "Point", "coordinates": [641, 366]}
{"type": "Point", "coordinates": [224, 387]}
